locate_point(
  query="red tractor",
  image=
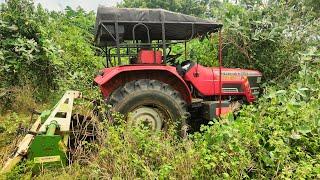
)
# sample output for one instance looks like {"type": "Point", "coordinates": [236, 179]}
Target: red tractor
{"type": "Point", "coordinates": [153, 87]}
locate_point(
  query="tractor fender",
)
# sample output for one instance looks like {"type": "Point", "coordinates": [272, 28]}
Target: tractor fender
{"type": "Point", "coordinates": [109, 79]}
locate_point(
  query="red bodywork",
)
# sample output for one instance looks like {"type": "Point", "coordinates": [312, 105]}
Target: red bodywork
{"type": "Point", "coordinates": [149, 57]}
{"type": "Point", "coordinates": [114, 77]}
{"type": "Point", "coordinates": [204, 79]}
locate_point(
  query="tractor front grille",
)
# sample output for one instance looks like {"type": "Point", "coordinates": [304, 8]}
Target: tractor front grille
{"type": "Point", "coordinates": [232, 88]}
{"type": "Point", "coordinates": [254, 82]}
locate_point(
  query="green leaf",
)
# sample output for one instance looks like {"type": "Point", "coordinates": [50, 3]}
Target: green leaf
{"type": "Point", "coordinates": [304, 129]}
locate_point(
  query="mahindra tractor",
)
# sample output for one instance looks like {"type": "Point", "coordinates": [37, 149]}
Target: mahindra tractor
{"type": "Point", "coordinates": [143, 79]}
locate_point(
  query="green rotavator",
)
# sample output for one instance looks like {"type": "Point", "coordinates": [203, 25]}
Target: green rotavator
{"type": "Point", "coordinates": [48, 140]}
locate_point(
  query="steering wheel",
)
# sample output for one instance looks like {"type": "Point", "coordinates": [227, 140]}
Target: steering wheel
{"type": "Point", "coordinates": [172, 59]}
{"type": "Point", "coordinates": [184, 67]}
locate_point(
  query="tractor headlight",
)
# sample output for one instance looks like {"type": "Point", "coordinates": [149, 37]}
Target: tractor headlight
{"type": "Point", "coordinates": [259, 79]}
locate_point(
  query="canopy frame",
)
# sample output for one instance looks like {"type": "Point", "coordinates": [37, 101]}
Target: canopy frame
{"type": "Point", "coordinates": [112, 31]}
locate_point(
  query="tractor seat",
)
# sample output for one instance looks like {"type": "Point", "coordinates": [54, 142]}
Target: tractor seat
{"type": "Point", "coordinates": [184, 67]}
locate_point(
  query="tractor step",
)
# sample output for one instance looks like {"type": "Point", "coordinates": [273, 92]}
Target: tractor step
{"type": "Point", "coordinates": [196, 102]}
{"type": "Point", "coordinates": [211, 109]}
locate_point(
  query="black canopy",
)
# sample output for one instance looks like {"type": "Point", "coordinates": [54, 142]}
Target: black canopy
{"type": "Point", "coordinates": [177, 26]}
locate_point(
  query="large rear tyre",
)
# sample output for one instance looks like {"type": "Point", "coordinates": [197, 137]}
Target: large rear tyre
{"type": "Point", "coordinates": [152, 103]}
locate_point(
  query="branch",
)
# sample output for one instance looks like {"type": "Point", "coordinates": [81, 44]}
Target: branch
{"type": "Point", "coordinates": [243, 50]}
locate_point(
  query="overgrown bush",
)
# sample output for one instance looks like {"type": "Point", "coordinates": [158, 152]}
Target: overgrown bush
{"type": "Point", "coordinates": [25, 52]}
{"type": "Point", "coordinates": [46, 51]}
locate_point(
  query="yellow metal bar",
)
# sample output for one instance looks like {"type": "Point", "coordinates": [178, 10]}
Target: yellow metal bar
{"type": "Point", "coordinates": [11, 163]}
{"type": "Point", "coordinates": [62, 112]}
{"type": "Point", "coordinates": [22, 150]}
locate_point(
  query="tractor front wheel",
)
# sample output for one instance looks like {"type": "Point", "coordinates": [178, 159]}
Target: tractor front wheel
{"type": "Point", "coordinates": [151, 103]}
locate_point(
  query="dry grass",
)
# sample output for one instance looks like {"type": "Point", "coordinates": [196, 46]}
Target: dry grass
{"type": "Point", "coordinates": [15, 122]}
{"type": "Point", "coordinates": [19, 99]}
{"type": "Point", "coordinates": [13, 126]}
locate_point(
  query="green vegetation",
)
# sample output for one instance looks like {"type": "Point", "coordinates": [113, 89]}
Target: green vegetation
{"type": "Point", "coordinates": [44, 53]}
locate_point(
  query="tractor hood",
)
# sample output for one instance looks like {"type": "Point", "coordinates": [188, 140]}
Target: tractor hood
{"type": "Point", "coordinates": [235, 81]}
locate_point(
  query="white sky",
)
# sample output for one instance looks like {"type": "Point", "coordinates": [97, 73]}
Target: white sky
{"type": "Point", "coordinates": [88, 5]}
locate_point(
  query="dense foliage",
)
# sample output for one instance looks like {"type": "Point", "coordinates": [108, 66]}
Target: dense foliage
{"type": "Point", "coordinates": [45, 50]}
{"type": "Point", "coordinates": [276, 138]}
